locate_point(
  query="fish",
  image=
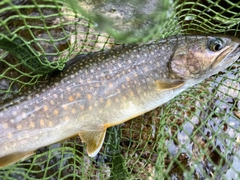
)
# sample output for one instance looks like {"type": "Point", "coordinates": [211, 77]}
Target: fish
{"type": "Point", "coordinates": [107, 88]}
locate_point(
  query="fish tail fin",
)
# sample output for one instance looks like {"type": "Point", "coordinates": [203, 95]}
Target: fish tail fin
{"type": "Point", "coordinates": [94, 140]}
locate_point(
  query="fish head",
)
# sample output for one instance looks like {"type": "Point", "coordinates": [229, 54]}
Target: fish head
{"type": "Point", "coordinates": [202, 56]}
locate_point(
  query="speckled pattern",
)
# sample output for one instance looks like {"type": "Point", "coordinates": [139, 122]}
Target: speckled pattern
{"type": "Point", "coordinates": [107, 88]}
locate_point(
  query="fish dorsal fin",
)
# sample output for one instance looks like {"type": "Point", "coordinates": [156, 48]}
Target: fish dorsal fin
{"type": "Point", "coordinates": [164, 85]}
{"type": "Point", "coordinates": [94, 141]}
{"type": "Point", "coordinates": [12, 158]}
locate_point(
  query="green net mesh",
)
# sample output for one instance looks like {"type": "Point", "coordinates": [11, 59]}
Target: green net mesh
{"type": "Point", "coordinates": [194, 136]}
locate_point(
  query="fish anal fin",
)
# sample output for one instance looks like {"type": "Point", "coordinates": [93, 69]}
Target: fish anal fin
{"type": "Point", "coordinates": [164, 85]}
{"type": "Point", "coordinates": [94, 140]}
{"type": "Point", "coordinates": [13, 158]}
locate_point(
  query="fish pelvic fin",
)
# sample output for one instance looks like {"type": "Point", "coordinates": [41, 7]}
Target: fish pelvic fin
{"type": "Point", "coordinates": [94, 140]}
{"type": "Point", "coordinates": [163, 85]}
{"type": "Point", "coordinates": [13, 158]}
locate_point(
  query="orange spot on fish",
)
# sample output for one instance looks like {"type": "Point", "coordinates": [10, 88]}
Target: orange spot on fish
{"type": "Point", "coordinates": [73, 110]}
{"type": "Point", "coordinates": [19, 127]}
{"type": "Point", "coordinates": [109, 102]}
{"type": "Point", "coordinates": [127, 79]}
{"type": "Point", "coordinates": [5, 125]}
{"type": "Point", "coordinates": [131, 93]}
{"type": "Point", "coordinates": [50, 123]}
{"type": "Point", "coordinates": [66, 118]}
{"type": "Point", "coordinates": [89, 96]}
{"type": "Point", "coordinates": [45, 108]}
{"type": "Point", "coordinates": [82, 107]}
{"type": "Point", "coordinates": [70, 98]}
{"type": "Point", "coordinates": [32, 124]}
{"type": "Point", "coordinates": [10, 135]}
{"type": "Point", "coordinates": [65, 107]}
{"type": "Point", "coordinates": [55, 112]}
{"type": "Point", "coordinates": [42, 122]}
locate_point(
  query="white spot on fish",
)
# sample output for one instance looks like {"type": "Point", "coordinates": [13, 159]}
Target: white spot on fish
{"type": "Point", "coordinates": [14, 113]}
{"type": "Point", "coordinates": [12, 121]}
{"type": "Point", "coordinates": [24, 115]}
{"type": "Point", "coordinates": [68, 88]}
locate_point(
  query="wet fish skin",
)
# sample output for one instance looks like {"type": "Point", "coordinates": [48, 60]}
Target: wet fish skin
{"type": "Point", "coordinates": [108, 88]}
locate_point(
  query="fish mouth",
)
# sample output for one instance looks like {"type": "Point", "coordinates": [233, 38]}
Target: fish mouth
{"type": "Point", "coordinates": [228, 58]}
{"type": "Point", "coordinates": [234, 52]}
{"type": "Point", "coordinates": [222, 57]}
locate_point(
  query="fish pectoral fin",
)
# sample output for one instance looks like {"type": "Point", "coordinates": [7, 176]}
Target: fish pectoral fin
{"type": "Point", "coordinates": [13, 158]}
{"type": "Point", "coordinates": [94, 141]}
{"type": "Point", "coordinates": [164, 85]}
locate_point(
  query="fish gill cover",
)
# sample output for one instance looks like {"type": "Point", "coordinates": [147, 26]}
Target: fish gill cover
{"type": "Point", "coordinates": [196, 135]}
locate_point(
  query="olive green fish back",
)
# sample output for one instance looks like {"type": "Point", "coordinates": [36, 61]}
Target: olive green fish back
{"type": "Point", "coordinates": [195, 136]}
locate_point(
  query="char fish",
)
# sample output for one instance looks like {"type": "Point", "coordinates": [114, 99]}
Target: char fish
{"type": "Point", "coordinates": [107, 88]}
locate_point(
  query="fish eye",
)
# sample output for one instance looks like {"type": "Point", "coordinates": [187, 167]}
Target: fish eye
{"type": "Point", "coordinates": [215, 44]}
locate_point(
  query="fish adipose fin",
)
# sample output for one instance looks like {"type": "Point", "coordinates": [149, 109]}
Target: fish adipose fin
{"type": "Point", "coordinates": [12, 158]}
{"type": "Point", "coordinates": [163, 85]}
{"type": "Point", "coordinates": [94, 141]}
